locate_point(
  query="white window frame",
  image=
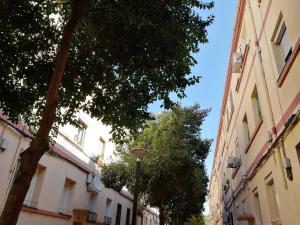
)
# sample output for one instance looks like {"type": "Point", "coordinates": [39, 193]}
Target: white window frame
{"type": "Point", "coordinates": [37, 178]}
{"type": "Point", "coordinates": [103, 144]}
{"type": "Point", "coordinates": [282, 46]}
{"type": "Point", "coordinates": [65, 200]}
{"type": "Point", "coordinates": [80, 133]}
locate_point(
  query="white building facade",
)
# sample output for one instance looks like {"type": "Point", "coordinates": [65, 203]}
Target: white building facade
{"type": "Point", "coordinates": [66, 188]}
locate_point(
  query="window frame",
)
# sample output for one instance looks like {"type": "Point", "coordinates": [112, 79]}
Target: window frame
{"type": "Point", "coordinates": [256, 106]}
{"type": "Point", "coordinates": [281, 56]}
{"type": "Point", "coordinates": [65, 202]}
{"type": "Point", "coordinates": [33, 193]}
{"type": "Point", "coordinates": [79, 137]}
{"type": "Point", "coordinates": [246, 130]}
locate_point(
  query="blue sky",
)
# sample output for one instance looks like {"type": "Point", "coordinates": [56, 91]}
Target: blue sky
{"type": "Point", "coordinates": [212, 66]}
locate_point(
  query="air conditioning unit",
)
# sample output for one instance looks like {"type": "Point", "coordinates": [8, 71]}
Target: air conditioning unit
{"type": "Point", "coordinates": [4, 143]}
{"type": "Point", "coordinates": [91, 217]}
{"type": "Point", "coordinates": [243, 45]}
{"type": "Point", "coordinates": [233, 162]}
{"type": "Point", "coordinates": [237, 61]}
{"type": "Point", "coordinates": [94, 183]}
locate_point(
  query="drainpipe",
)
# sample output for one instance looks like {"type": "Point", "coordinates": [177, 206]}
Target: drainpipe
{"type": "Point", "coordinates": [278, 153]}
{"type": "Point", "coordinates": [261, 77]}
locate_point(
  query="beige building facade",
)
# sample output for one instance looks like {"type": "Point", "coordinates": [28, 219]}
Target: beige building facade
{"type": "Point", "coordinates": [66, 188]}
{"type": "Point", "coordinates": [255, 174]}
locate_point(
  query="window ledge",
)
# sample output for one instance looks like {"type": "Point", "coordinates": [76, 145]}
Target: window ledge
{"type": "Point", "coordinates": [45, 212]}
{"type": "Point", "coordinates": [253, 136]}
{"type": "Point", "coordinates": [230, 118]}
{"type": "Point", "coordinates": [289, 64]}
{"type": "Point", "coordinates": [276, 221]}
{"type": "Point", "coordinates": [246, 218]}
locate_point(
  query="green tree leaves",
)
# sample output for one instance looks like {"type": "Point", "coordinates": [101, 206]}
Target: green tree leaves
{"type": "Point", "coordinates": [173, 176]}
{"type": "Point", "coordinates": [124, 55]}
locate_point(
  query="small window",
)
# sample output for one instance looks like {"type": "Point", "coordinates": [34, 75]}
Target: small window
{"type": "Point", "coordinates": [33, 193]}
{"type": "Point", "coordinates": [298, 152]}
{"type": "Point", "coordinates": [108, 211]}
{"type": "Point", "coordinates": [256, 106]}
{"type": "Point", "coordinates": [66, 197]}
{"type": "Point", "coordinates": [80, 135]}
{"type": "Point", "coordinates": [227, 119]}
{"type": "Point", "coordinates": [281, 43]}
{"type": "Point", "coordinates": [273, 201]}
{"type": "Point", "coordinates": [118, 214]}
{"type": "Point", "coordinates": [246, 129]}
{"type": "Point", "coordinates": [92, 205]}
{"type": "Point", "coordinates": [231, 102]}
{"type": "Point", "coordinates": [257, 207]}
{"type": "Point", "coordinates": [102, 146]}
{"type": "Point", "coordinates": [128, 217]}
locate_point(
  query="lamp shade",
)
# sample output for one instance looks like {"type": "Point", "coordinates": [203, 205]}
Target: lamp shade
{"type": "Point", "coordinates": [139, 152]}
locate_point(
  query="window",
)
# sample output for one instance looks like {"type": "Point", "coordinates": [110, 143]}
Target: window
{"type": "Point", "coordinates": [118, 214]}
{"type": "Point", "coordinates": [102, 146]}
{"type": "Point", "coordinates": [257, 207]}
{"type": "Point", "coordinates": [108, 211]}
{"type": "Point", "coordinates": [246, 129]}
{"type": "Point", "coordinates": [231, 103]}
{"type": "Point", "coordinates": [227, 119]}
{"type": "Point", "coordinates": [80, 135]}
{"type": "Point", "coordinates": [281, 43]}
{"type": "Point", "coordinates": [273, 201]}
{"type": "Point", "coordinates": [66, 197]}
{"type": "Point", "coordinates": [92, 205]}
{"type": "Point", "coordinates": [33, 193]}
{"type": "Point", "coordinates": [256, 106]}
{"type": "Point", "coordinates": [128, 217]}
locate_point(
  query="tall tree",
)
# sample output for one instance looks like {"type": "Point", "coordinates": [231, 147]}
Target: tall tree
{"type": "Point", "coordinates": [173, 176]}
{"type": "Point", "coordinates": [107, 58]}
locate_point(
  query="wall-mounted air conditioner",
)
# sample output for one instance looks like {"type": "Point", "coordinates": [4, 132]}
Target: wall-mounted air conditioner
{"type": "Point", "coordinates": [94, 183]}
{"type": "Point", "coordinates": [237, 61]}
{"type": "Point", "coordinates": [243, 45]}
{"type": "Point", "coordinates": [4, 143]}
{"type": "Point", "coordinates": [233, 162]}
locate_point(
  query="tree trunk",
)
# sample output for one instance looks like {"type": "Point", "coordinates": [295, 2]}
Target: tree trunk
{"type": "Point", "coordinates": [161, 215]}
{"type": "Point", "coordinates": [39, 145]}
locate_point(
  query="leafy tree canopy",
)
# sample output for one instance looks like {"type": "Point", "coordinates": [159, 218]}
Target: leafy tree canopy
{"type": "Point", "coordinates": [123, 56]}
{"type": "Point", "coordinates": [173, 176]}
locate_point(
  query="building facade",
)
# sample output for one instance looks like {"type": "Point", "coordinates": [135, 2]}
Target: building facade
{"type": "Point", "coordinates": [66, 188]}
{"type": "Point", "coordinates": [255, 174]}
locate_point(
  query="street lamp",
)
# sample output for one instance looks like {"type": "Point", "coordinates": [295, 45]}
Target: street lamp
{"type": "Point", "coordinates": [138, 153]}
